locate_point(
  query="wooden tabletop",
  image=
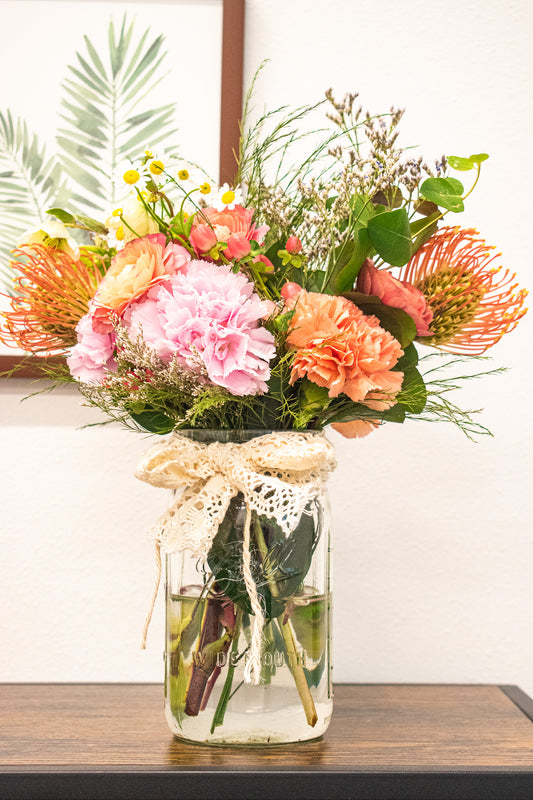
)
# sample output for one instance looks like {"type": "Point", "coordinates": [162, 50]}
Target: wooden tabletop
{"type": "Point", "coordinates": [392, 742]}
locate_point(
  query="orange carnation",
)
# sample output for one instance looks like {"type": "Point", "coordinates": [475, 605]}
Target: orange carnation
{"type": "Point", "coordinates": [340, 348]}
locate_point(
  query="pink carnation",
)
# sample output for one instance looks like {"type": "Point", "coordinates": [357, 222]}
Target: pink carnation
{"type": "Point", "coordinates": [396, 293]}
{"type": "Point", "coordinates": [207, 319]}
{"type": "Point", "coordinates": [92, 356]}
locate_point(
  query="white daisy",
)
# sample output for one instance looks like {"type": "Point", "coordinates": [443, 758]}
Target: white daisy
{"type": "Point", "coordinates": [225, 198]}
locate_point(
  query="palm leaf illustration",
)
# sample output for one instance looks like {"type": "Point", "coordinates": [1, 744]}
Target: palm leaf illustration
{"type": "Point", "coordinates": [30, 183]}
{"type": "Point", "coordinates": [108, 114]}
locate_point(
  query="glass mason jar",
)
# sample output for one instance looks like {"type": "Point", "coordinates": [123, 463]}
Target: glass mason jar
{"type": "Point", "coordinates": [209, 698]}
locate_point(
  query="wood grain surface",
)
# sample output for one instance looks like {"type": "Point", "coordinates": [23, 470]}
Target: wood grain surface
{"type": "Point", "coordinates": [422, 727]}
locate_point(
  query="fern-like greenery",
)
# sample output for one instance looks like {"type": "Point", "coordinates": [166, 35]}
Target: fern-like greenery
{"type": "Point", "coordinates": [30, 182]}
{"type": "Point", "coordinates": [107, 114]}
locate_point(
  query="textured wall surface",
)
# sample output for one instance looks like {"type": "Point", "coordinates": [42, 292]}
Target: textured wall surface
{"type": "Point", "coordinates": [432, 534]}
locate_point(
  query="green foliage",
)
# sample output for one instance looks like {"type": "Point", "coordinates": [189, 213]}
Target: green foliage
{"type": "Point", "coordinates": [465, 164]}
{"type": "Point", "coordinates": [444, 192]}
{"type": "Point", "coordinates": [279, 563]}
{"type": "Point", "coordinates": [30, 181]}
{"type": "Point", "coordinates": [390, 235]}
{"type": "Point", "coordinates": [107, 115]}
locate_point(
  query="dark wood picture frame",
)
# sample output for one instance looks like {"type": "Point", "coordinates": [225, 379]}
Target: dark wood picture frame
{"type": "Point", "coordinates": [17, 366]}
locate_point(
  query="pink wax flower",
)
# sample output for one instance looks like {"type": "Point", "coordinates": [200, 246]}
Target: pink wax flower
{"type": "Point", "coordinates": [142, 263]}
{"type": "Point", "coordinates": [203, 238]}
{"type": "Point", "coordinates": [207, 319]}
{"type": "Point", "coordinates": [236, 221]}
{"type": "Point", "coordinates": [396, 293]}
{"type": "Point", "coordinates": [92, 356]}
{"type": "Point", "coordinates": [293, 245]}
{"type": "Point", "coordinates": [290, 291]}
{"type": "Point", "coordinates": [238, 247]}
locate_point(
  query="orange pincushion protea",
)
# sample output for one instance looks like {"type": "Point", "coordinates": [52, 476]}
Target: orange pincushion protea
{"type": "Point", "coordinates": [52, 293]}
{"type": "Point", "coordinates": [473, 303]}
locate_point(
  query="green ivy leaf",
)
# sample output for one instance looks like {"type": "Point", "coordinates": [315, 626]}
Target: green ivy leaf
{"type": "Point", "coordinates": [445, 192]}
{"type": "Point", "coordinates": [391, 236]}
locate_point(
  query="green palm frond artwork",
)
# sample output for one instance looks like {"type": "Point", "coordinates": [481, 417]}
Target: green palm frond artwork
{"type": "Point", "coordinates": [30, 182]}
{"type": "Point", "coordinates": [107, 112]}
{"type": "Point", "coordinates": [107, 116]}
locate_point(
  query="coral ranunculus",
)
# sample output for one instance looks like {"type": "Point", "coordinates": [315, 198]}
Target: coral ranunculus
{"type": "Point", "coordinates": [340, 348]}
{"type": "Point", "coordinates": [141, 264]}
{"type": "Point", "coordinates": [396, 293]}
{"type": "Point", "coordinates": [236, 221]}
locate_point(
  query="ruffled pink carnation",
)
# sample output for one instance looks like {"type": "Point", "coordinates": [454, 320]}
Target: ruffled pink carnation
{"type": "Point", "coordinates": [141, 264]}
{"type": "Point", "coordinates": [340, 348]}
{"type": "Point", "coordinates": [207, 318]}
{"type": "Point", "coordinates": [92, 356]}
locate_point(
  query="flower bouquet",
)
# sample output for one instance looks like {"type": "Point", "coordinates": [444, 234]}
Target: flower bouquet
{"type": "Point", "coordinates": [242, 320]}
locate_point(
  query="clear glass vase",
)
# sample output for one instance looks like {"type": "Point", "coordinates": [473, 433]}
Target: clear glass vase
{"type": "Point", "coordinates": [209, 697]}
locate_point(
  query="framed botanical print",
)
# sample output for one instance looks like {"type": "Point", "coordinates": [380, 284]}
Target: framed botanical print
{"type": "Point", "coordinates": [90, 84]}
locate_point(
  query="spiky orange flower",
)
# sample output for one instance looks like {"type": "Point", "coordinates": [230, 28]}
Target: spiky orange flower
{"type": "Point", "coordinates": [52, 293]}
{"type": "Point", "coordinates": [474, 303]}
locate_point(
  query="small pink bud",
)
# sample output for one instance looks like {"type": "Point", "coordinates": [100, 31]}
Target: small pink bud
{"type": "Point", "coordinates": [203, 238]}
{"type": "Point", "coordinates": [290, 291]}
{"type": "Point", "coordinates": [238, 247]}
{"type": "Point", "coordinates": [293, 245]}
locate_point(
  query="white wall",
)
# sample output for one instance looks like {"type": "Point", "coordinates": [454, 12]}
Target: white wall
{"type": "Point", "coordinates": [432, 534]}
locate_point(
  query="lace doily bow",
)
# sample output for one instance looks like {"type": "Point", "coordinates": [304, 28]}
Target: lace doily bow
{"type": "Point", "coordinates": [278, 474]}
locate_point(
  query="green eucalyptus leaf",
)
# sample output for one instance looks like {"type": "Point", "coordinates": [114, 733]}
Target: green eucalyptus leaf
{"type": "Point", "coordinates": [408, 360]}
{"type": "Point", "coordinates": [423, 229]}
{"type": "Point", "coordinates": [153, 421]}
{"type": "Point", "coordinates": [413, 394]}
{"type": "Point", "coordinates": [459, 163]}
{"type": "Point", "coordinates": [394, 320]}
{"type": "Point", "coordinates": [445, 192]}
{"type": "Point", "coordinates": [390, 198]}
{"type": "Point", "coordinates": [350, 411]}
{"type": "Point", "coordinates": [479, 158]}
{"type": "Point", "coordinates": [391, 236]}
{"type": "Point", "coordinates": [426, 208]}
{"type": "Point", "coordinates": [359, 248]}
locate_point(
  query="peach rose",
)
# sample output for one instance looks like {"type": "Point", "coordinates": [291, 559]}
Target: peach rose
{"type": "Point", "coordinates": [396, 293]}
{"type": "Point", "coordinates": [136, 268]}
{"type": "Point", "coordinates": [340, 348]}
